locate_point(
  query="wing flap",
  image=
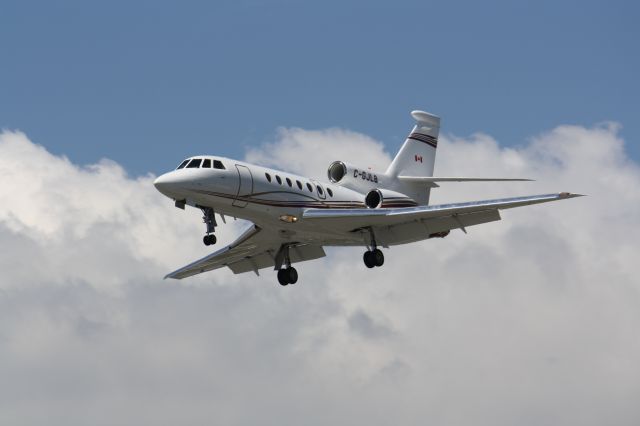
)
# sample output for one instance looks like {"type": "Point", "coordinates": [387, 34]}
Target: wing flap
{"type": "Point", "coordinates": [440, 224]}
{"type": "Point", "coordinates": [252, 263]}
{"type": "Point", "coordinates": [422, 229]}
{"type": "Point", "coordinates": [297, 253]}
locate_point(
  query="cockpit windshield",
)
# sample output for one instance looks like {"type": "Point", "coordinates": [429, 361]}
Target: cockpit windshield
{"type": "Point", "coordinates": [206, 163]}
{"type": "Point", "coordinates": [194, 164]}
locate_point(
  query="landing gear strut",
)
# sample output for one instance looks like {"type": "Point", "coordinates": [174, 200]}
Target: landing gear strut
{"type": "Point", "coordinates": [288, 274]}
{"type": "Point", "coordinates": [209, 218]}
{"type": "Point", "coordinates": [373, 257]}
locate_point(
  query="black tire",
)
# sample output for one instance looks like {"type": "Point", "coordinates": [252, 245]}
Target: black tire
{"type": "Point", "coordinates": [369, 261]}
{"type": "Point", "coordinates": [282, 277]}
{"type": "Point", "coordinates": [292, 275]}
{"type": "Point", "coordinates": [378, 257]}
{"type": "Point", "coordinates": [209, 240]}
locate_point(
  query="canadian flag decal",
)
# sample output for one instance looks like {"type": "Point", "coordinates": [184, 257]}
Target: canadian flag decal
{"type": "Point", "coordinates": [418, 158]}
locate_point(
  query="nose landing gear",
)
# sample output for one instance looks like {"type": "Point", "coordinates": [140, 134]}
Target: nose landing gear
{"type": "Point", "coordinates": [209, 218]}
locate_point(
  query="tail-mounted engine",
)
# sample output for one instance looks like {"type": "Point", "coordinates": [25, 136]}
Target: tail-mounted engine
{"type": "Point", "coordinates": [358, 178]}
{"type": "Point", "coordinates": [377, 198]}
{"type": "Point", "coordinates": [369, 182]}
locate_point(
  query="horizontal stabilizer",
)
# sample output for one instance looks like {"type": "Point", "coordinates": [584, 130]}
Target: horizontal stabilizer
{"type": "Point", "coordinates": [432, 180]}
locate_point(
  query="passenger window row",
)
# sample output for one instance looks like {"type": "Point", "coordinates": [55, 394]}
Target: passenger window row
{"type": "Point", "coordinates": [298, 184]}
{"type": "Point", "coordinates": [195, 163]}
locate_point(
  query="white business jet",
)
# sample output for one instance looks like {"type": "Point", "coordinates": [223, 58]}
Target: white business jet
{"type": "Point", "coordinates": [294, 217]}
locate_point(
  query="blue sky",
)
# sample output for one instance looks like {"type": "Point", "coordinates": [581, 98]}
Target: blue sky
{"type": "Point", "coordinates": [148, 83]}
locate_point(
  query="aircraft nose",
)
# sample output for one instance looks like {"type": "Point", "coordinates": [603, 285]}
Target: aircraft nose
{"type": "Point", "coordinates": [164, 183]}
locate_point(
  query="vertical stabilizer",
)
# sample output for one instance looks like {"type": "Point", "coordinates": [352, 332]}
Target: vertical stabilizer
{"type": "Point", "coordinates": [417, 155]}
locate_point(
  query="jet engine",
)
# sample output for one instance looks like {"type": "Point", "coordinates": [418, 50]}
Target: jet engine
{"type": "Point", "coordinates": [358, 178]}
{"type": "Point", "coordinates": [374, 198]}
{"type": "Point", "coordinates": [377, 198]}
{"type": "Point", "coordinates": [337, 171]}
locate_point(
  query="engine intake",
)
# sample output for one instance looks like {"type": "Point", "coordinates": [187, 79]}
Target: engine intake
{"type": "Point", "coordinates": [337, 171]}
{"type": "Point", "coordinates": [380, 197]}
{"type": "Point", "coordinates": [373, 200]}
{"type": "Point", "coordinates": [361, 179]}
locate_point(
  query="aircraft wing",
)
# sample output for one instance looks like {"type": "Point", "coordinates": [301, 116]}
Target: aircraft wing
{"type": "Point", "coordinates": [256, 248]}
{"type": "Point", "coordinates": [436, 218]}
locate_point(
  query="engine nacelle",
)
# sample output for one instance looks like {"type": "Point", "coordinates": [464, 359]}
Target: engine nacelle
{"type": "Point", "coordinates": [377, 198]}
{"type": "Point", "coordinates": [369, 182]}
{"type": "Point", "coordinates": [354, 177]}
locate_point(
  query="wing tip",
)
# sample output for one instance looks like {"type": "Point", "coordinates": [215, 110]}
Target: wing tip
{"type": "Point", "coordinates": [564, 195]}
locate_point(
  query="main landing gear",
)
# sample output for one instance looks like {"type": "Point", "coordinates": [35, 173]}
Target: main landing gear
{"type": "Point", "coordinates": [209, 218]}
{"type": "Point", "coordinates": [209, 240]}
{"type": "Point", "coordinates": [373, 257]}
{"type": "Point", "coordinates": [288, 274]}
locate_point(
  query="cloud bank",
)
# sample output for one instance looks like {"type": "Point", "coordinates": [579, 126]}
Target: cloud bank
{"type": "Point", "coordinates": [531, 320]}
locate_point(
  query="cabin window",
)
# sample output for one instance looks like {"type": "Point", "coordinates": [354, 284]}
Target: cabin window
{"type": "Point", "coordinates": [330, 192]}
{"type": "Point", "coordinates": [268, 176]}
{"type": "Point", "coordinates": [195, 163]}
{"type": "Point", "coordinates": [299, 184]}
{"type": "Point", "coordinates": [217, 164]}
{"type": "Point", "coordinates": [206, 163]}
{"type": "Point", "coordinates": [289, 182]}
{"type": "Point", "coordinates": [184, 163]}
{"type": "Point", "coordinates": [278, 179]}
{"type": "Point", "coordinates": [320, 191]}
{"type": "Point", "coordinates": [309, 187]}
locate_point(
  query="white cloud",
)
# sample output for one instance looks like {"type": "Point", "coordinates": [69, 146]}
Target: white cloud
{"type": "Point", "coordinates": [531, 320]}
{"type": "Point", "coordinates": [309, 152]}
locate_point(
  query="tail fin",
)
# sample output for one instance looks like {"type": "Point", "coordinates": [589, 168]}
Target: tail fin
{"type": "Point", "coordinates": [418, 153]}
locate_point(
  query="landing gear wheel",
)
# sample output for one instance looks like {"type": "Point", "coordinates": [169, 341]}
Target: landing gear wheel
{"type": "Point", "coordinates": [283, 279]}
{"type": "Point", "coordinates": [369, 260]}
{"type": "Point", "coordinates": [209, 239]}
{"type": "Point", "coordinates": [287, 276]}
{"type": "Point", "coordinates": [292, 275]}
{"type": "Point", "coordinates": [378, 257]}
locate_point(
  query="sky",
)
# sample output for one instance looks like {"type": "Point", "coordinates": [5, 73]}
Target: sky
{"type": "Point", "coordinates": [530, 320]}
{"type": "Point", "coordinates": [147, 83]}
